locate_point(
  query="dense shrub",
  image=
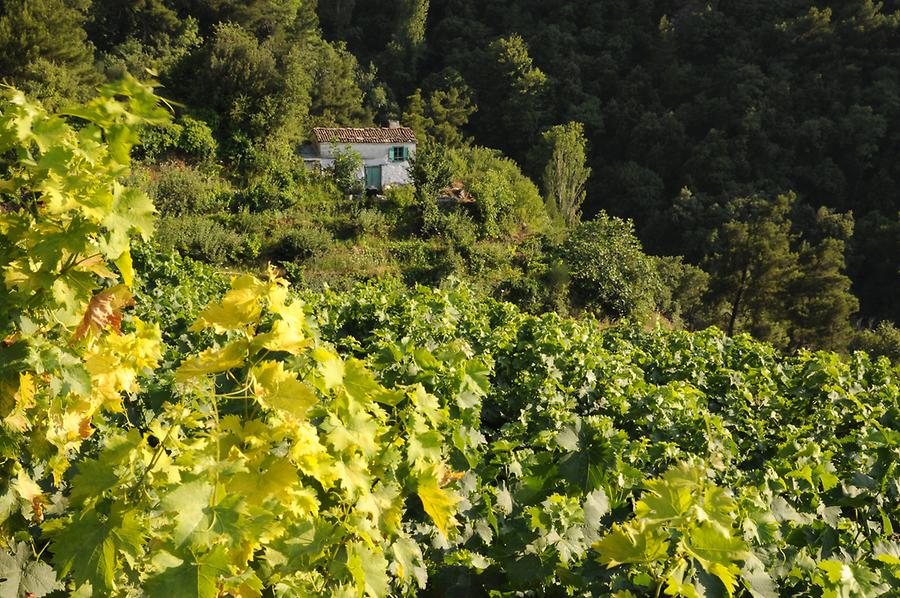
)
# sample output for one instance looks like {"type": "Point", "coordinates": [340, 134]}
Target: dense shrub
{"type": "Point", "coordinates": [201, 238]}
{"type": "Point", "coordinates": [178, 189]}
{"type": "Point", "coordinates": [400, 208]}
{"type": "Point", "coordinates": [188, 139]}
{"type": "Point", "coordinates": [505, 199]}
{"type": "Point", "coordinates": [681, 289]}
{"type": "Point", "coordinates": [265, 194]}
{"type": "Point", "coordinates": [610, 273]}
{"type": "Point", "coordinates": [884, 339]}
{"type": "Point", "coordinates": [426, 263]}
{"type": "Point", "coordinates": [302, 243]}
{"type": "Point", "coordinates": [369, 221]}
{"type": "Point", "coordinates": [459, 228]}
{"type": "Point", "coordinates": [431, 171]}
{"type": "Point", "coordinates": [347, 170]}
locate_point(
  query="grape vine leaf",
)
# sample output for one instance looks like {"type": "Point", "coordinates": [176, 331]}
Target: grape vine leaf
{"type": "Point", "coordinates": [131, 210]}
{"type": "Point", "coordinates": [408, 561]}
{"type": "Point", "coordinates": [213, 361]}
{"type": "Point", "coordinates": [716, 550]}
{"type": "Point", "coordinates": [189, 577]}
{"type": "Point", "coordinates": [126, 267]}
{"type": "Point", "coordinates": [369, 569]}
{"type": "Point", "coordinates": [91, 546]}
{"type": "Point", "coordinates": [677, 585]}
{"type": "Point", "coordinates": [757, 580]}
{"type": "Point", "coordinates": [105, 309]}
{"type": "Point", "coordinates": [438, 502]}
{"type": "Point", "coordinates": [279, 389]}
{"type": "Point", "coordinates": [848, 580]}
{"type": "Point", "coordinates": [239, 307]}
{"type": "Point", "coordinates": [596, 505]}
{"type": "Point", "coordinates": [634, 542]}
{"type": "Point", "coordinates": [21, 575]}
{"type": "Point", "coordinates": [331, 368]}
{"type": "Point", "coordinates": [187, 503]}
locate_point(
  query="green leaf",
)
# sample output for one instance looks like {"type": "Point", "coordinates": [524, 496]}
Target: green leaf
{"type": "Point", "coordinates": [359, 382]}
{"type": "Point", "coordinates": [592, 453]}
{"type": "Point", "coordinates": [717, 552]}
{"type": "Point", "coordinates": [281, 390]}
{"type": "Point", "coordinates": [756, 579]}
{"type": "Point", "coordinates": [132, 211]}
{"type": "Point", "coordinates": [331, 368]}
{"type": "Point", "coordinates": [677, 585]}
{"type": "Point", "coordinates": [849, 580]}
{"type": "Point", "coordinates": [369, 569]}
{"type": "Point", "coordinates": [668, 498]}
{"type": "Point", "coordinates": [192, 576]}
{"type": "Point", "coordinates": [21, 575]}
{"type": "Point", "coordinates": [187, 504]}
{"type": "Point", "coordinates": [93, 546]}
{"type": "Point", "coordinates": [212, 361]}
{"type": "Point", "coordinates": [596, 505]}
{"type": "Point", "coordinates": [96, 476]}
{"type": "Point", "coordinates": [710, 543]}
{"type": "Point", "coordinates": [636, 542]}
{"type": "Point", "coordinates": [408, 563]}
{"type": "Point", "coordinates": [240, 307]}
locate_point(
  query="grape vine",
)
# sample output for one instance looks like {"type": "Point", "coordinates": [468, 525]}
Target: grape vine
{"type": "Point", "coordinates": [168, 430]}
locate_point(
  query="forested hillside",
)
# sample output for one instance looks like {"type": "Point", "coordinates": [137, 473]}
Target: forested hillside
{"type": "Point", "coordinates": [753, 145]}
{"type": "Point", "coordinates": [687, 106]}
{"type": "Point", "coordinates": [605, 344]}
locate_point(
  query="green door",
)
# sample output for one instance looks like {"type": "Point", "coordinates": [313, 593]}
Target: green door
{"type": "Point", "coordinates": [373, 177]}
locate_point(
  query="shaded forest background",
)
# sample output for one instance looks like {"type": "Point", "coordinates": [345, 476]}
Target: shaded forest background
{"type": "Point", "coordinates": [755, 143]}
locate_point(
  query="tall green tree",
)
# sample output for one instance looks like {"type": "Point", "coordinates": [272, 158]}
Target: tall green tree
{"type": "Point", "coordinates": [44, 48]}
{"type": "Point", "coordinates": [336, 97]}
{"type": "Point", "coordinates": [516, 89]}
{"type": "Point", "coordinates": [565, 174]}
{"type": "Point", "coordinates": [261, 96]}
{"type": "Point", "coordinates": [442, 113]}
{"type": "Point", "coordinates": [751, 266]}
{"type": "Point", "coordinates": [138, 35]}
{"type": "Point", "coordinates": [112, 22]}
{"type": "Point", "coordinates": [414, 14]}
{"type": "Point", "coordinates": [264, 18]}
{"type": "Point", "coordinates": [820, 303]}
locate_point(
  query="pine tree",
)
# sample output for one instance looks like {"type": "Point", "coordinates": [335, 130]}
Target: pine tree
{"type": "Point", "coordinates": [415, 116]}
{"type": "Point", "coordinates": [515, 88]}
{"type": "Point", "coordinates": [820, 301]}
{"type": "Point", "coordinates": [751, 266]}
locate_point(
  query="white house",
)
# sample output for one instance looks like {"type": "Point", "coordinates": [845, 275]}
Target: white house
{"type": "Point", "coordinates": [385, 152]}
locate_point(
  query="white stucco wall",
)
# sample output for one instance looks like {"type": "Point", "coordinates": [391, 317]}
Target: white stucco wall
{"type": "Point", "coordinates": [374, 154]}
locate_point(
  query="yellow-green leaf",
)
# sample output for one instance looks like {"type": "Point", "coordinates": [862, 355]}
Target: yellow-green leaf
{"type": "Point", "coordinates": [240, 307]}
{"type": "Point", "coordinates": [631, 543]}
{"type": "Point", "coordinates": [439, 503]}
{"type": "Point", "coordinates": [213, 361]}
{"type": "Point", "coordinates": [279, 389]}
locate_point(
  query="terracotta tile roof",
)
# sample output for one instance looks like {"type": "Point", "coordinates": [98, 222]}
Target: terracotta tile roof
{"type": "Point", "coordinates": [368, 135]}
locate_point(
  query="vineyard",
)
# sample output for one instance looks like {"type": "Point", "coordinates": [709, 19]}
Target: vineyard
{"type": "Point", "coordinates": [171, 431]}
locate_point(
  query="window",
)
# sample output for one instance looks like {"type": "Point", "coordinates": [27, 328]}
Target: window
{"type": "Point", "coordinates": [399, 153]}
